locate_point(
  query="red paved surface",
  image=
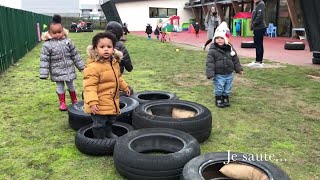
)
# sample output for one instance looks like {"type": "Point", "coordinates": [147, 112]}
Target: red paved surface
{"type": "Point", "coordinates": [273, 47]}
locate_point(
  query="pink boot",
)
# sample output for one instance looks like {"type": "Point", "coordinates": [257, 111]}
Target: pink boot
{"type": "Point", "coordinates": [73, 96]}
{"type": "Point", "coordinates": [62, 100]}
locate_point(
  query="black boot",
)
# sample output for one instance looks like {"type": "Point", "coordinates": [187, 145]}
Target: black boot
{"type": "Point", "coordinates": [219, 102]}
{"type": "Point", "coordinates": [98, 132]}
{"type": "Point", "coordinates": [226, 101]}
{"type": "Point", "coordinates": [109, 133]}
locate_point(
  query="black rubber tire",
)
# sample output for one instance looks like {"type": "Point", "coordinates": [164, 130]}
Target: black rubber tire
{"type": "Point", "coordinates": [316, 54]}
{"type": "Point", "coordinates": [86, 144]}
{"type": "Point", "coordinates": [122, 93]}
{"type": "Point", "coordinates": [131, 161]}
{"type": "Point", "coordinates": [78, 118]}
{"type": "Point", "coordinates": [316, 60]}
{"type": "Point", "coordinates": [198, 126]}
{"type": "Point", "coordinates": [88, 30]}
{"type": "Point", "coordinates": [127, 105]}
{"type": "Point", "coordinates": [209, 165]}
{"type": "Point", "coordinates": [294, 46]}
{"type": "Point", "coordinates": [147, 96]}
{"type": "Point", "coordinates": [247, 44]}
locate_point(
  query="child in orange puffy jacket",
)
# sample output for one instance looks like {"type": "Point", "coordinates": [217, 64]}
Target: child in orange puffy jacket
{"type": "Point", "coordinates": [102, 83]}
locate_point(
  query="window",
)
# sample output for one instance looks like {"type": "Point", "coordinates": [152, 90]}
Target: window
{"type": "Point", "coordinates": [161, 12]}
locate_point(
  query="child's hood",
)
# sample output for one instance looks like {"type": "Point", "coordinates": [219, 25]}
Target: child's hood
{"type": "Point", "coordinates": [46, 36]}
{"type": "Point", "coordinates": [93, 56]}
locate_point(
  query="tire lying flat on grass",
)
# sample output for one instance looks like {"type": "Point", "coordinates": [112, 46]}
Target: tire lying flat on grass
{"type": "Point", "coordinates": [207, 166]}
{"type": "Point", "coordinates": [247, 44]}
{"type": "Point", "coordinates": [199, 126]}
{"type": "Point", "coordinates": [294, 46]}
{"type": "Point", "coordinates": [133, 156]}
{"type": "Point", "coordinates": [78, 118]}
{"type": "Point", "coordinates": [87, 144]}
{"type": "Point", "coordinates": [127, 105]}
{"type": "Point", "coordinates": [147, 96]}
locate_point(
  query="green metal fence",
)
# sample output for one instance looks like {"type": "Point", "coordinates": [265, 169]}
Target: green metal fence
{"type": "Point", "coordinates": [18, 34]}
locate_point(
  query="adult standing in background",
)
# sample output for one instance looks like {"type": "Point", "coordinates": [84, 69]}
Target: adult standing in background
{"type": "Point", "coordinates": [258, 25]}
{"type": "Point", "coordinates": [211, 22]}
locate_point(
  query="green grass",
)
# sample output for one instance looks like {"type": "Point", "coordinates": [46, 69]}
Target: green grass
{"type": "Point", "coordinates": [274, 111]}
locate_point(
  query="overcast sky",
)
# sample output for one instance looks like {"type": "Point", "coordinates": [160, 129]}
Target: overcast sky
{"type": "Point", "coordinates": [17, 3]}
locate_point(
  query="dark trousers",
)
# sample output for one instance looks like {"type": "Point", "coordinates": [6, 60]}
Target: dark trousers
{"type": "Point", "coordinates": [258, 42]}
{"type": "Point", "coordinates": [102, 124]}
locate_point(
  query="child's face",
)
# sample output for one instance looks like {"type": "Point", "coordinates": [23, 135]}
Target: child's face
{"type": "Point", "coordinates": [220, 41]}
{"type": "Point", "coordinates": [56, 31]}
{"type": "Point", "coordinates": [105, 48]}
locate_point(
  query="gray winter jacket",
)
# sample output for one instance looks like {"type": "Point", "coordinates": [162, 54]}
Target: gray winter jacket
{"type": "Point", "coordinates": [258, 16]}
{"type": "Point", "coordinates": [220, 61]}
{"type": "Point", "coordinates": [58, 58]}
{"type": "Point", "coordinates": [126, 61]}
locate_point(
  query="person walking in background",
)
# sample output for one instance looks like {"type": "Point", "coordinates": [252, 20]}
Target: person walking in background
{"type": "Point", "coordinates": [149, 30]}
{"type": "Point", "coordinates": [222, 60]}
{"type": "Point", "coordinates": [258, 25]}
{"type": "Point", "coordinates": [197, 28]}
{"type": "Point", "coordinates": [211, 22]}
{"type": "Point", "coordinates": [58, 58]}
{"type": "Point", "coordinates": [116, 29]}
{"type": "Point", "coordinates": [102, 82]}
{"type": "Point", "coordinates": [238, 28]}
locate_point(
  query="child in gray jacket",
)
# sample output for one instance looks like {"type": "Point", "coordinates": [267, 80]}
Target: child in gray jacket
{"type": "Point", "coordinates": [58, 58]}
{"type": "Point", "coordinates": [222, 60]}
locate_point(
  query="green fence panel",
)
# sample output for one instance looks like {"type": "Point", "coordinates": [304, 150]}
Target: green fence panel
{"type": "Point", "coordinates": [18, 34]}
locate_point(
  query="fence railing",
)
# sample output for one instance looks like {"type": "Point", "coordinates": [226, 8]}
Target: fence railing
{"type": "Point", "coordinates": [18, 34]}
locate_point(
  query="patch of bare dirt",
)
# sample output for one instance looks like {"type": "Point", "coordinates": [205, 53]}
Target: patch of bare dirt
{"type": "Point", "coordinates": [314, 78]}
{"type": "Point", "coordinates": [188, 47]}
{"type": "Point", "coordinates": [268, 66]}
{"type": "Point", "coordinates": [189, 80]}
{"type": "Point", "coordinates": [242, 81]}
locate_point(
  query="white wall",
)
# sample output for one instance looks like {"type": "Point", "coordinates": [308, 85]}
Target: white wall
{"type": "Point", "coordinates": [136, 14]}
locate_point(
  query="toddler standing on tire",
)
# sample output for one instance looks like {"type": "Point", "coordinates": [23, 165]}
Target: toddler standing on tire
{"type": "Point", "coordinates": [102, 84]}
{"type": "Point", "coordinates": [222, 60]}
{"type": "Point", "coordinates": [58, 58]}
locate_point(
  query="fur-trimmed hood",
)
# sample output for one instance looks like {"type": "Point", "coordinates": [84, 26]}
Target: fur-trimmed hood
{"type": "Point", "coordinates": [93, 56]}
{"type": "Point", "coordinates": [46, 36]}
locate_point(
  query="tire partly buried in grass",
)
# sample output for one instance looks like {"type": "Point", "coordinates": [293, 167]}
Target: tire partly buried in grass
{"type": "Point", "coordinates": [247, 44]}
{"type": "Point", "coordinates": [87, 144]}
{"type": "Point", "coordinates": [159, 114]}
{"type": "Point", "coordinates": [147, 96]}
{"type": "Point", "coordinates": [154, 153]}
{"type": "Point", "coordinates": [207, 166]}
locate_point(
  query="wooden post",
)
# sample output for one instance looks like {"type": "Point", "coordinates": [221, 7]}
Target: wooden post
{"type": "Point", "coordinates": [292, 13]}
{"type": "Point", "coordinates": [220, 12]}
{"type": "Point", "coordinates": [235, 7]}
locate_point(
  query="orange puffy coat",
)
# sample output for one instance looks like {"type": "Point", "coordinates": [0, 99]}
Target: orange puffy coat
{"type": "Point", "coordinates": [102, 82]}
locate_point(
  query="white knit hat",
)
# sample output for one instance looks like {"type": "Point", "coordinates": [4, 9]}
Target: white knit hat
{"type": "Point", "coordinates": [221, 31]}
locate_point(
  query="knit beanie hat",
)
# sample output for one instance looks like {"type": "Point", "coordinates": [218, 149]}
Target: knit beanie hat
{"type": "Point", "coordinates": [224, 32]}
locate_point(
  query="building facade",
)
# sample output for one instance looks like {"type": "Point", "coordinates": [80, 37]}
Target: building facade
{"type": "Point", "coordinates": [137, 13]}
{"type": "Point", "coordinates": [64, 8]}
{"type": "Point", "coordinates": [284, 14]}
{"type": "Point", "coordinates": [91, 11]}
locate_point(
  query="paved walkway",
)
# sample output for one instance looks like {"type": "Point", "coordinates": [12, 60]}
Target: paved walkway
{"type": "Point", "coordinates": [273, 47]}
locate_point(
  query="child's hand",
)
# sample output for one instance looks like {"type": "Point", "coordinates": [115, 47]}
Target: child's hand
{"type": "Point", "coordinates": [94, 109]}
{"type": "Point", "coordinates": [241, 72]}
{"type": "Point", "coordinates": [128, 92]}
